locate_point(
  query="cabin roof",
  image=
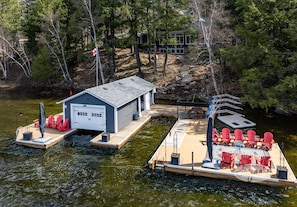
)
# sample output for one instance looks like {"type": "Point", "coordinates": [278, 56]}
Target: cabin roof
{"type": "Point", "coordinates": [118, 93]}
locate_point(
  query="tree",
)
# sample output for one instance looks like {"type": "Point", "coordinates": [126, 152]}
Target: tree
{"type": "Point", "coordinates": [136, 16]}
{"type": "Point", "coordinates": [16, 55]}
{"type": "Point", "coordinates": [11, 49]}
{"type": "Point", "coordinates": [88, 6]}
{"type": "Point", "coordinates": [42, 70]}
{"type": "Point", "coordinates": [54, 32]}
{"type": "Point", "coordinates": [32, 27]}
{"type": "Point", "coordinates": [265, 59]}
{"type": "Point", "coordinates": [206, 24]}
{"type": "Point", "coordinates": [172, 19]}
{"type": "Point", "coordinates": [114, 20]}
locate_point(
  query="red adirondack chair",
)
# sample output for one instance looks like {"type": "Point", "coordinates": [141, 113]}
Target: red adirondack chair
{"type": "Point", "coordinates": [251, 136]}
{"type": "Point", "coordinates": [267, 141]}
{"type": "Point", "coordinates": [50, 121]}
{"type": "Point", "coordinates": [245, 160]}
{"type": "Point", "coordinates": [64, 126]}
{"type": "Point", "coordinates": [238, 135]}
{"type": "Point", "coordinates": [227, 160]}
{"type": "Point", "coordinates": [36, 122]}
{"type": "Point", "coordinates": [226, 137]}
{"type": "Point", "coordinates": [215, 136]}
{"type": "Point", "coordinates": [58, 122]}
{"type": "Point", "coordinates": [265, 163]}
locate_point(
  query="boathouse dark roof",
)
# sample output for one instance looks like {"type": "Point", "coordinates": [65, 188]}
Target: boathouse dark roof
{"type": "Point", "coordinates": [119, 92]}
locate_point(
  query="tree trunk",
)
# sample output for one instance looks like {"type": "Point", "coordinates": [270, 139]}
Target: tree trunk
{"type": "Point", "coordinates": [212, 71]}
{"type": "Point", "coordinates": [113, 62]}
{"type": "Point", "coordinates": [98, 61]}
{"type": "Point", "coordinates": [166, 39]}
{"type": "Point", "coordinates": [206, 27]}
{"type": "Point", "coordinates": [139, 64]}
{"type": "Point", "coordinates": [166, 55]}
{"type": "Point", "coordinates": [107, 43]}
{"type": "Point", "coordinates": [165, 60]}
{"type": "Point", "coordinates": [148, 40]}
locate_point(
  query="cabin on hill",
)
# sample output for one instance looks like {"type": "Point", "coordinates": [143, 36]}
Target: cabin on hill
{"type": "Point", "coordinates": [109, 107]}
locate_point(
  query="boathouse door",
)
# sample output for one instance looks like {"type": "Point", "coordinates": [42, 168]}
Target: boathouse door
{"type": "Point", "coordinates": [89, 117]}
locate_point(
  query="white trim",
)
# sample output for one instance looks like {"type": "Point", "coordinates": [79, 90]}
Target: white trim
{"type": "Point", "coordinates": [139, 106]}
{"type": "Point", "coordinates": [146, 101]}
{"type": "Point", "coordinates": [116, 127]}
{"type": "Point", "coordinates": [64, 114]}
{"type": "Point", "coordinates": [152, 97]}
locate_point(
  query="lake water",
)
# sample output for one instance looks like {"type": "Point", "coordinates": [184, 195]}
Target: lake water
{"type": "Point", "coordinates": [73, 173]}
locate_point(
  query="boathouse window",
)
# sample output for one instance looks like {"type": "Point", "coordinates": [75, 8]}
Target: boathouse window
{"type": "Point", "coordinates": [82, 113]}
{"type": "Point", "coordinates": [96, 115]}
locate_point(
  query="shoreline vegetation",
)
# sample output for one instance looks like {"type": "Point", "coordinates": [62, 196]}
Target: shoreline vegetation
{"type": "Point", "coordinates": [181, 78]}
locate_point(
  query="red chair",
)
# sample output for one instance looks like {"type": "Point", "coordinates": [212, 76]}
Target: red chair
{"type": "Point", "coordinates": [265, 163]}
{"type": "Point", "coordinates": [238, 135]}
{"type": "Point", "coordinates": [251, 136]}
{"type": "Point", "coordinates": [50, 121]}
{"type": "Point", "coordinates": [36, 122]}
{"type": "Point", "coordinates": [226, 137]}
{"type": "Point", "coordinates": [245, 160]}
{"type": "Point", "coordinates": [215, 136]}
{"type": "Point", "coordinates": [58, 122]}
{"type": "Point", "coordinates": [64, 126]}
{"type": "Point", "coordinates": [227, 160]}
{"type": "Point", "coordinates": [267, 141]}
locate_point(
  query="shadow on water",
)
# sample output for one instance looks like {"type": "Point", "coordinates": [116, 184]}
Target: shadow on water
{"type": "Point", "coordinates": [73, 173]}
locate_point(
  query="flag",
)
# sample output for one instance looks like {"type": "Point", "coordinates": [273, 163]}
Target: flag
{"type": "Point", "coordinates": [94, 51]}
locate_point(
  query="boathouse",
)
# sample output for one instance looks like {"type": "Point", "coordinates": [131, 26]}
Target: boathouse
{"type": "Point", "coordinates": [109, 107]}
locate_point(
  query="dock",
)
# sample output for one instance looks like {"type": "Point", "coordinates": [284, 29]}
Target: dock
{"type": "Point", "coordinates": [50, 138]}
{"type": "Point", "coordinates": [119, 139]}
{"type": "Point", "coordinates": [184, 148]}
{"type": "Point", "coordinates": [115, 140]}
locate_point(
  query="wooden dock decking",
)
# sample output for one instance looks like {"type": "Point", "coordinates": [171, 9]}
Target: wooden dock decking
{"type": "Point", "coordinates": [117, 140]}
{"type": "Point", "coordinates": [188, 139]}
{"type": "Point", "coordinates": [51, 137]}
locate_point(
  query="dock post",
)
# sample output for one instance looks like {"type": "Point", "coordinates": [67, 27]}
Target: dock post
{"type": "Point", "coordinates": [193, 163]}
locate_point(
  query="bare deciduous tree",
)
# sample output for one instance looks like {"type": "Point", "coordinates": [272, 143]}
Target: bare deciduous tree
{"type": "Point", "coordinates": [10, 49]}
{"type": "Point", "coordinates": [87, 4]}
{"type": "Point", "coordinates": [52, 36]}
{"type": "Point", "coordinates": [16, 55]}
{"type": "Point", "coordinates": [206, 24]}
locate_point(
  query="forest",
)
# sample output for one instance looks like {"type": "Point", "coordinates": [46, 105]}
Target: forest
{"type": "Point", "coordinates": [255, 40]}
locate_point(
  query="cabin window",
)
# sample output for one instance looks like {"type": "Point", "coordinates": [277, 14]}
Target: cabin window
{"type": "Point", "coordinates": [189, 40]}
{"type": "Point", "coordinates": [179, 39]}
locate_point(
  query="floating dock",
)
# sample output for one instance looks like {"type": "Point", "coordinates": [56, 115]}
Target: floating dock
{"type": "Point", "coordinates": [118, 140]}
{"type": "Point", "coordinates": [113, 140]}
{"type": "Point", "coordinates": [30, 136]}
{"type": "Point", "coordinates": [184, 148]}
